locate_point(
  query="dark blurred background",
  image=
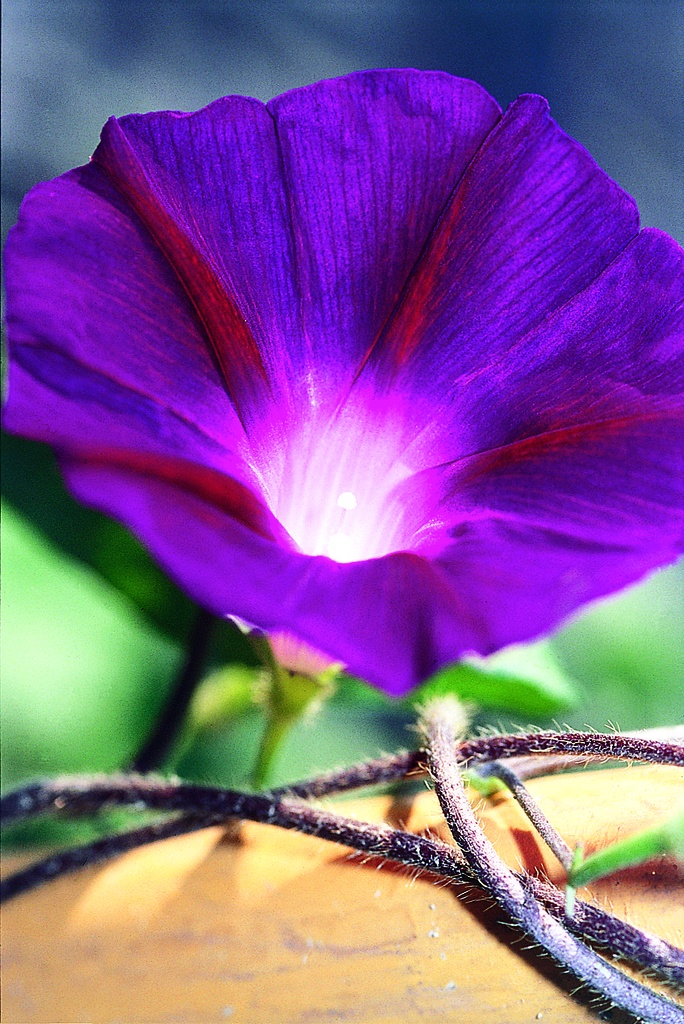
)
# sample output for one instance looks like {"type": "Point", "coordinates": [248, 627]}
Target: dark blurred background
{"type": "Point", "coordinates": [92, 632]}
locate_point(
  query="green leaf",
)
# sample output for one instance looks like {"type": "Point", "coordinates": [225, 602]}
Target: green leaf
{"type": "Point", "coordinates": [659, 840]}
{"type": "Point", "coordinates": [521, 679]}
{"type": "Point", "coordinates": [350, 690]}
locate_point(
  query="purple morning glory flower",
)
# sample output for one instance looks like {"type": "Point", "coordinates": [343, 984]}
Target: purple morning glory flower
{"type": "Point", "coordinates": [372, 364]}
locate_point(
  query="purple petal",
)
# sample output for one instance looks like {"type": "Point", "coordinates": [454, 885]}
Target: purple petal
{"type": "Point", "coordinates": [225, 494]}
{"type": "Point", "coordinates": [522, 580]}
{"type": "Point", "coordinates": [582, 490]}
{"type": "Point", "coordinates": [267, 224]}
{"type": "Point", "coordinates": [208, 188]}
{"type": "Point", "coordinates": [278, 219]}
{"type": "Point", "coordinates": [391, 620]}
{"type": "Point", "coordinates": [614, 350]}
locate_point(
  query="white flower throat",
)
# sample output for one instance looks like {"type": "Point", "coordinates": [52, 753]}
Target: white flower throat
{"type": "Point", "coordinates": [333, 489]}
{"type": "Point", "coordinates": [340, 545]}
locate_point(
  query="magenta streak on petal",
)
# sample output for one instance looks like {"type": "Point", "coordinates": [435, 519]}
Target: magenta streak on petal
{"type": "Point", "coordinates": [217, 173]}
{"type": "Point", "coordinates": [559, 481]}
{"type": "Point", "coordinates": [222, 492]}
{"type": "Point", "coordinates": [603, 353]}
{"type": "Point", "coordinates": [231, 340]}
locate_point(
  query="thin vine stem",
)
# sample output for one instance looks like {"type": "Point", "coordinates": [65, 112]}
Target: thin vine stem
{"type": "Point", "coordinates": [621, 938]}
{"type": "Point", "coordinates": [79, 792]}
{"type": "Point", "coordinates": [533, 811]}
{"type": "Point", "coordinates": [569, 749]}
{"type": "Point", "coordinates": [97, 852]}
{"type": "Point", "coordinates": [202, 806]}
{"type": "Point", "coordinates": [534, 766]}
{"type": "Point", "coordinates": [518, 902]}
{"type": "Point", "coordinates": [608, 746]}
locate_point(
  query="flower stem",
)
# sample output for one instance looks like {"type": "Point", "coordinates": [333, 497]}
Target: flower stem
{"type": "Point", "coordinates": [288, 696]}
{"type": "Point", "coordinates": [511, 894]}
{"type": "Point", "coordinates": [275, 730]}
{"type": "Point", "coordinates": [572, 750]}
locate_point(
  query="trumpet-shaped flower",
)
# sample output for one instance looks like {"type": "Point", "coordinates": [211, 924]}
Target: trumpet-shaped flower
{"type": "Point", "coordinates": [372, 365]}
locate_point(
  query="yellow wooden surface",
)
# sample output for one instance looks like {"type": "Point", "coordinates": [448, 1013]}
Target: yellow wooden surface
{"type": "Point", "coordinates": [274, 927]}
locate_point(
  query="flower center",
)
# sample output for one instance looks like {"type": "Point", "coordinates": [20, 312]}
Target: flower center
{"type": "Point", "coordinates": [334, 489]}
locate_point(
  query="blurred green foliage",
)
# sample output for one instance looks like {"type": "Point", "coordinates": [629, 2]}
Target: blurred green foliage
{"type": "Point", "coordinates": [83, 672]}
{"type": "Point", "coordinates": [32, 483]}
{"type": "Point", "coordinates": [626, 655]}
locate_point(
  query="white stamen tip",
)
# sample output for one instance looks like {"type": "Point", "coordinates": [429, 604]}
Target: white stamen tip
{"type": "Point", "coordinates": [347, 500]}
